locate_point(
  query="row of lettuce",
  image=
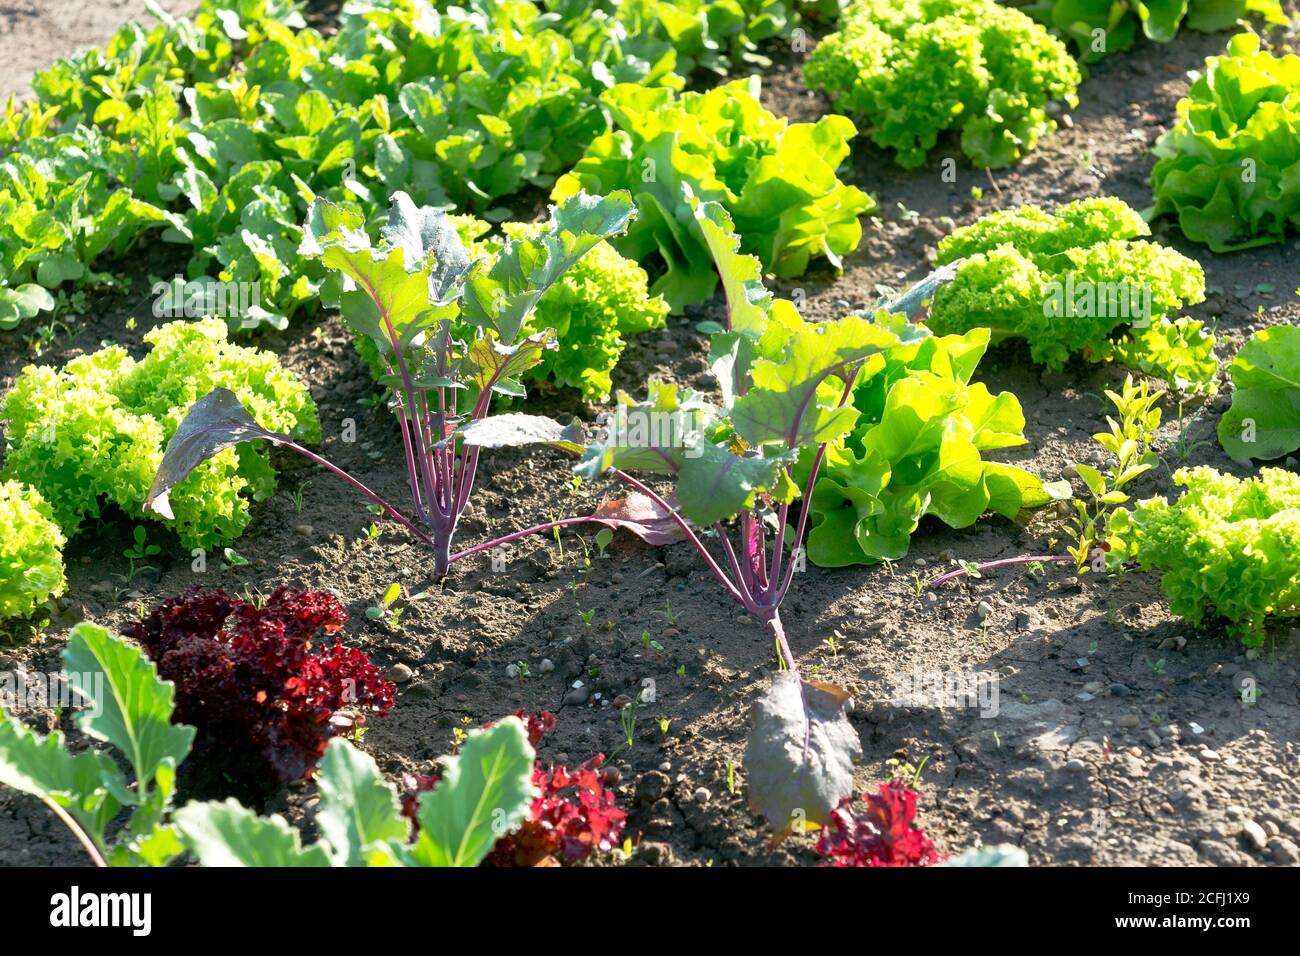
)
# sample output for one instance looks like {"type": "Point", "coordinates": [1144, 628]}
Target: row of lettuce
{"type": "Point", "coordinates": [259, 684]}
{"type": "Point", "coordinates": [89, 438]}
{"type": "Point", "coordinates": [217, 132]}
{"type": "Point", "coordinates": [716, 198]}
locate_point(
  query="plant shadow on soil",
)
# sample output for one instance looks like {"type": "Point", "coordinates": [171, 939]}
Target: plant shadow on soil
{"type": "Point", "coordinates": [1095, 755]}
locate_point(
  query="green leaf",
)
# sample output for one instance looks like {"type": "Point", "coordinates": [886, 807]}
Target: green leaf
{"type": "Point", "coordinates": [799, 758]}
{"type": "Point", "coordinates": [649, 436]}
{"type": "Point", "coordinates": [84, 785]}
{"type": "Point", "coordinates": [516, 428]}
{"type": "Point", "coordinates": [484, 793]}
{"type": "Point", "coordinates": [488, 364]}
{"type": "Point", "coordinates": [227, 834]}
{"type": "Point", "coordinates": [1264, 420]}
{"type": "Point", "coordinates": [1004, 854]}
{"type": "Point", "coordinates": [134, 714]}
{"type": "Point", "coordinates": [22, 303]}
{"type": "Point", "coordinates": [502, 299]}
{"type": "Point", "coordinates": [715, 483]}
{"type": "Point", "coordinates": [1092, 478]}
{"type": "Point", "coordinates": [783, 404]}
{"type": "Point", "coordinates": [358, 808]}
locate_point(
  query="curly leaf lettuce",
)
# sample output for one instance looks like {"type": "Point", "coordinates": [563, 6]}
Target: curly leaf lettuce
{"type": "Point", "coordinates": [1080, 281]}
{"type": "Point", "coordinates": [1227, 548]}
{"type": "Point", "coordinates": [92, 433]}
{"type": "Point", "coordinates": [31, 556]}
{"type": "Point", "coordinates": [916, 68]}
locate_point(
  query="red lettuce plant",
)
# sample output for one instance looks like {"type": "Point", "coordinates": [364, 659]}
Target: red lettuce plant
{"type": "Point", "coordinates": [572, 816]}
{"type": "Point", "coordinates": [253, 680]}
{"type": "Point", "coordinates": [883, 835]}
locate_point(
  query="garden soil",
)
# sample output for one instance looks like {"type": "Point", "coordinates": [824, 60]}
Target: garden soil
{"type": "Point", "coordinates": [1120, 736]}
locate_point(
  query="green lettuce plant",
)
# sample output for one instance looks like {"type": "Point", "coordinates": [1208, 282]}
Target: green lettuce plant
{"type": "Point", "coordinates": [1226, 169]}
{"type": "Point", "coordinates": [915, 68]}
{"type": "Point", "coordinates": [1080, 281]}
{"type": "Point", "coordinates": [776, 180]}
{"type": "Point", "coordinates": [1102, 27]}
{"type": "Point", "coordinates": [31, 556]}
{"type": "Point", "coordinates": [92, 434]}
{"type": "Point", "coordinates": [1227, 548]}
{"type": "Point", "coordinates": [1264, 419]}
{"type": "Point", "coordinates": [916, 450]}
{"type": "Point", "coordinates": [713, 36]}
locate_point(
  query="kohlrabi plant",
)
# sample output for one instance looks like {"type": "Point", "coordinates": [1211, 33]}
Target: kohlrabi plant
{"type": "Point", "coordinates": [407, 293]}
{"type": "Point", "coordinates": [726, 467]}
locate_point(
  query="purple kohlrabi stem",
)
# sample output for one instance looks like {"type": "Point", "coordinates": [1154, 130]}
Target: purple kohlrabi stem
{"type": "Point", "coordinates": [335, 469]}
{"type": "Point", "coordinates": [514, 535]}
{"type": "Point", "coordinates": [1003, 563]}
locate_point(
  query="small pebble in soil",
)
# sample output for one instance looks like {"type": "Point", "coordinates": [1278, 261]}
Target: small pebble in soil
{"type": "Point", "coordinates": [1119, 690]}
{"type": "Point", "coordinates": [546, 666]}
{"type": "Point", "coordinates": [666, 766]}
{"type": "Point", "coordinates": [703, 795]}
{"type": "Point", "coordinates": [1254, 834]}
{"type": "Point", "coordinates": [1075, 765]}
{"type": "Point", "coordinates": [398, 674]}
{"type": "Point", "coordinates": [984, 609]}
{"type": "Point", "coordinates": [578, 696]}
{"type": "Point", "coordinates": [1284, 852]}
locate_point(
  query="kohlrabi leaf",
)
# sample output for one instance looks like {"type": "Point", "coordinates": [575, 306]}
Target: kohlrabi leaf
{"type": "Point", "coordinates": [488, 364]}
{"type": "Point", "coordinates": [83, 785]}
{"type": "Point", "coordinates": [426, 235]}
{"type": "Point", "coordinates": [134, 711]}
{"type": "Point", "coordinates": [516, 428]}
{"type": "Point", "coordinates": [715, 483]}
{"type": "Point", "coordinates": [1004, 854]}
{"type": "Point", "coordinates": [783, 404]}
{"type": "Point", "coordinates": [502, 298]}
{"type": "Point", "coordinates": [649, 436]}
{"type": "Point", "coordinates": [1264, 420]}
{"type": "Point", "coordinates": [358, 808]}
{"type": "Point", "coordinates": [748, 300]}
{"type": "Point", "coordinates": [484, 793]}
{"type": "Point", "coordinates": [227, 834]}
{"type": "Point", "coordinates": [799, 758]}
{"type": "Point", "coordinates": [641, 515]}
{"type": "Point", "coordinates": [392, 291]}
{"type": "Point", "coordinates": [215, 422]}
{"type": "Point", "coordinates": [916, 300]}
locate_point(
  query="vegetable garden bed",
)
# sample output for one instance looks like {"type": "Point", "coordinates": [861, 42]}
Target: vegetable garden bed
{"type": "Point", "coordinates": [1122, 733]}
